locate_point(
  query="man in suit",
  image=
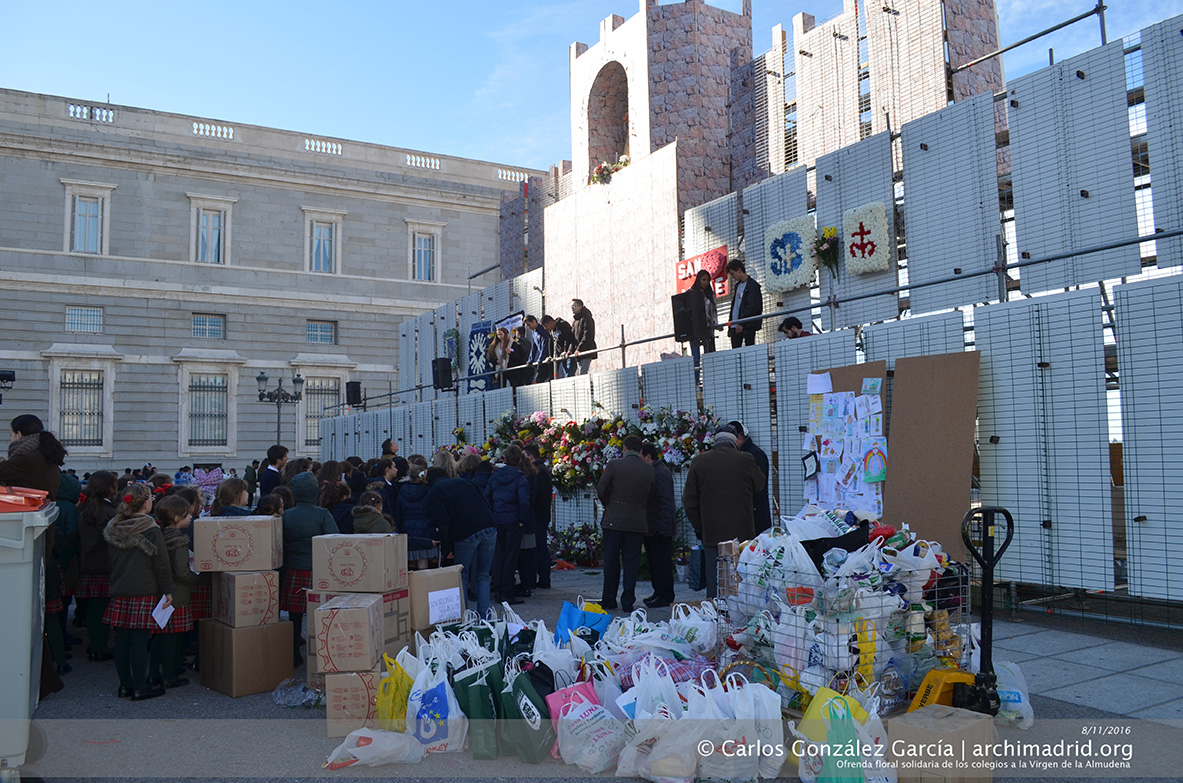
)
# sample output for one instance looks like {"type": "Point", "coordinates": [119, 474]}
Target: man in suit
{"type": "Point", "coordinates": [659, 544]}
{"type": "Point", "coordinates": [272, 476]}
{"type": "Point", "coordinates": [626, 491]}
{"type": "Point", "coordinates": [746, 302]}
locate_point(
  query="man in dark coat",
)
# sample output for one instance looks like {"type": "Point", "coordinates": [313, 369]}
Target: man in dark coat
{"type": "Point", "coordinates": [541, 348]}
{"type": "Point", "coordinates": [659, 544]}
{"type": "Point", "coordinates": [748, 301]}
{"type": "Point", "coordinates": [272, 475]}
{"type": "Point", "coordinates": [584, 326]}
{"type": "Point", "coordinates": [720, 489]}
{"type": "Point", "coordinates": [251, 476]}
{"type": "Point", "coordinates": [625, 490]}
{"type": "Point", "coordinates": [761, 509]}
{"type": "Point", "coordinates": [543, 492]}
{"type": "Point", "coordinates": [564, 337]}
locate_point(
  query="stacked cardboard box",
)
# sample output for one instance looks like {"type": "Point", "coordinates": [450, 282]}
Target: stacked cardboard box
{"type": "Point", "coordinates": [437, 598]}
{"type": "Point", "coordinates": [245, 649]}
{"type": "Point", "coordinates": [728, 567]}
{"type": "Point", "coordinates": [358, 608]}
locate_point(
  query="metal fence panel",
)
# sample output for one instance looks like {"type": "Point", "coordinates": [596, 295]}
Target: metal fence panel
{"type": "Point", "coordinates": [422, 429]}
{"type": "Point", "coordinates": [1162, 62]}
{"type": "Point", "coordinates": [470, 410]}
{"type": "Point", "coordinates": [776, 199]}
{"type": "Point", "coordinates": [669, 384]}
{"type": "Point", "coordinates": [710, 225]}
{"type": "Point", "coordinates": [618, 392]}
{"type": "Point", "coordinates": [400, 428]}
{"type": "Point", "coordinates": [951, 206]}
{"type": "Point", "coordinates": [443, 414]}
{"type": "Point", "coordinates": [531, 399]}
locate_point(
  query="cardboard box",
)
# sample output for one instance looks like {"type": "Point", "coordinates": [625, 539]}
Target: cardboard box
{"type": "Point", "coordinates": [237, 544]}
{"type": "Point", "coordinates": [396, 621]}
{"type": "Point", "coordinates": [316, 680]}
{"type": "Point", "coordinates": [246, 598]}
{"type": "Point", "coordinates": [348, 633]}
{"type": "Point", "coordinates": [359, 563]}
{"type": "Point", "coordinates": [940, 726]}
{"type": "Point", "coordinates": [351, 701]}
{"type": "Point", "coordinates": [436, 597]}
{"type": "Point", "coordinates": [242, 661]}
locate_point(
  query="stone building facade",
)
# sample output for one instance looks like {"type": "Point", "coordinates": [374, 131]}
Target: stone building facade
{"type": "Point", "coordinates": [154, 264]}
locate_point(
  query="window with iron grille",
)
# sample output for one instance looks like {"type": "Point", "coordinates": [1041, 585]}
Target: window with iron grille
{"type": "Point", "coordinates": [207, 326]}
{"type": "Point", "coordinates": [208, 410]}
{"type": "Point", "coordinates": [84, 319]}
{"type": "Point", "coordinates": [319, 393]}
{"type": "Point", "coordinates": [322, 332]}
{"type": "Point", "coordinates": [81, 408]}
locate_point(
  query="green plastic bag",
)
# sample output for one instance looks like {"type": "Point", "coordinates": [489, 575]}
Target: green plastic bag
{"type": "Point", "coordinates": [527, 719]}
{"type": "Point", "coordinates": [840, 732]}
{"type": "Point", "coordinates": [476, 698]}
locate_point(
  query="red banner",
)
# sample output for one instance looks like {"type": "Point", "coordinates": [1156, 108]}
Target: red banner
{"type": "Point", "coordinates": [713, 261]}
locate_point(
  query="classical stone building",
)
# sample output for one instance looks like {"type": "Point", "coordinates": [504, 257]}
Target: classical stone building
{"type": "Point", "coordinates": [153, 264]}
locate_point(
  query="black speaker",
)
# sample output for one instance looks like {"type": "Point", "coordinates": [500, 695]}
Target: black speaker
{"type": "Point", "coordinates": [353, 393]}
{"type": "Point", "coordinates": [441, 373]}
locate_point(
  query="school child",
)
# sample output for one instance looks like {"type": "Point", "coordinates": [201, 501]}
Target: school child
{"type": "Point", "coordinates": [231, 499]}
{"type": "Point", "coordinates": [94, 584]}
{"type": "Point", "coordinates": [300, 524]}
{"type": "Point", "coordinates": [367, 514]}
{"type": "Point", "coordinates": [140, 576]}
{"type": "Point", "coordinates": [174, 515]}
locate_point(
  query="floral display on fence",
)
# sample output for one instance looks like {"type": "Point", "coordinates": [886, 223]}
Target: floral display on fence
{"type": "Point", "coordinates": [582, 544]}
{"type": "Point", "coordinates": [867, 239]}
{"type": "Point", "coordinates": [602, 174]}
{"type": "Point", "coordinates": [679, 434]}
{"type": "Point", "coordinates": [827, 248]}
{"type": "Point", "coordinates": [791, 258]}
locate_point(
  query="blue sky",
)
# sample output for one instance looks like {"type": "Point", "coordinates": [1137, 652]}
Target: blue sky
{"type": "Point", "coordinates": [486, 80]}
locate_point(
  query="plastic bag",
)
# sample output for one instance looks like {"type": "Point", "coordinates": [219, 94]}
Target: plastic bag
{"type": "Point", "coordinates": [840, 732]}
{"type": "Point", "coordinates": [674, 757]}
{"type": "Point", "coordinates": [698, 625]}
{"type": "Point", "coordinates": [589, 737]}
{"type": "Point", "coordinates": [1016, 708]}
{"type": "Point", "coordinates": [294, 693]}
{"type": "Point", "coordinates": [393, 693]}
{"type": "Point", "coordinates": [873, 738]}
{"type": "Point", "coordinates": [560, 660]}
{"type": "Point", "coordinates": [759, 707]}
{"type": "Point", "coordinates": [635, 753]}
{"type": "Point", "coordinates": [653, 687]}
{"type": "Point", "coordinates": [375, 747]}
{"type": "Point", "coordinates": [578, 693]}
{"type": "Point", "coordinates": [434, 716]}
{"type": "Point", "coordinates": [580, 615]}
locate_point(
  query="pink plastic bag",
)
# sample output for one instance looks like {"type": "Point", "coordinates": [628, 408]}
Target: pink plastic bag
{"type": "Point", "coordinates": [578, 693]}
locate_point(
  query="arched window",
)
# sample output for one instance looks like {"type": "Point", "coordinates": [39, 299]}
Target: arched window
{"type": "Point", "coordinates": [607, 116]}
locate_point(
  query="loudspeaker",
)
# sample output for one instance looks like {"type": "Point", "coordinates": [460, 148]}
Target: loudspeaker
{"type": "Point", "coordinates": [353, 393]}
{"type": "Point", "coordinates": [441, 373]}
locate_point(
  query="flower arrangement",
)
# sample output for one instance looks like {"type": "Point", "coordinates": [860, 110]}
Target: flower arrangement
{"type": "Point", "coordinates": [867, 239]}
{"type": "Point", "coordinates": [828, 249]}
{"type": "Point", "coordinates": [581, 451]}
{"type": "Point", "coordinates": [680, 435]}
{"type": "Point", "coordinates": [582, 544]}
{"type": "Point", "coordinates": [602, 174]}
{"type": "Point", "coordinates": [790, 252]}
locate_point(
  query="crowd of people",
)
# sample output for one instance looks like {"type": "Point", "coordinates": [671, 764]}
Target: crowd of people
{"type": "Point", "coordinates": [542, 349]}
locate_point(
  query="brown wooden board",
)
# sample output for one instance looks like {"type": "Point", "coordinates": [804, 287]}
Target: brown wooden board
{"type": "Point", "coordinates": [850, 378]}
{"type": "Point", "coordinates": [931, 447]}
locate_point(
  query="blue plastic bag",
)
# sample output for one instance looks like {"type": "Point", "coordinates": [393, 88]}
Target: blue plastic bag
{"type": "Point", "coordinates": [572, 618]}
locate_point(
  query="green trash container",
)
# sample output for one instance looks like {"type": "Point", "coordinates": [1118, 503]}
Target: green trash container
{"type": "Point", "coordinates": [22, 585]}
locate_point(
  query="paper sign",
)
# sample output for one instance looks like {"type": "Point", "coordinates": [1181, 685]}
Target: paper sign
{"type": "Point", "coordinates": [444, 606]}
{"type": "Point", "coordinates": [820, 383]}
{"type": "Point", "coordinates": [874, 404]}
{"type": "Point", "coordinates": [815, 413]}
{"type": "Point", "coordinates": [161, 613]}
{"type": "Point", "coordinates": [807, 443]}
{"type": "Point", "coordinates": [872, 385]}
{"type": "Point", "coordinates": [810, 464]}
{"type": "Point", "coordinates": [874, 460]}
{"type": "Point", "coordinates": [862, 406]}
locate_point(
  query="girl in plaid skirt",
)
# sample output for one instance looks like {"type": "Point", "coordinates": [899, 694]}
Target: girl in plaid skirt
{"type": "Point", "coordinates": [140, 575]}
{"type": "Point", "coordinates": [164, 661]}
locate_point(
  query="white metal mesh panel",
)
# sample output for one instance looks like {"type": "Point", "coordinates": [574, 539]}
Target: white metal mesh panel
{"type": "Point", "coordinates": [1149, 354]}
{"type": "Point", "coordinates": [1162, 62]}
{"type": "Point", "coordinates": [408, 377]}
{"type": "Point", "coordinates": [778, 198]}
{"type": "Point", "coordinates": [368, 437]}
{"type": "Point", "coordinates": [400, 428]}
{"type": "Point", "coordinates": [669, 384]}
{"type": "Point", "coordinates": [471, 416]}
{"type": "Point", "coordinates": [1043, 438]}
{"type": "Point", "coordinates": [566, 514]}
{"type": "Point", "coordinates": [527, 295]}
{"type": "Point", "coordinates": [951, 208]}
{"type": "Point", "coordinates": [445, 320]}
{"type": "Point", "coordinates": [1073, 175]}
{"type": "Point", "coordinates": [353, 432]}
{"type": "Point", "coordinates": [721, 389]}
{"type": "Point", "coordinates": [531, 399]}
{"type": "Point", "coordinates": [469, 312]}
{"type": "Point", "coordinates": [795, 360]}
{"type": "Point", "coordinates": [618, 391]}
{"type": "Point", "coordinates": [497, 402]}
{"type": "Point", "coordinates": [425, 352]}
{"type": "Point", "coordinates": [383, 429]}
{"type": "Point", "coordinates": [444, 421]}
{"type": "Point", "coordinates": [719, 216]}
{"type": "Point", "coordinates": [735, 386]}
{"type": "Point", "coordinates": [422, 430]}
{"type": "Point", "coordinates": [496, 301]}
{"type": "Point", "coordinates": [857, 175]}
{"type": "Point", "coordinates": [329, 429]}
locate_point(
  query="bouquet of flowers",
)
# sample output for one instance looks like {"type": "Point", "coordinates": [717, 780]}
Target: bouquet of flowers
{"type": "Point", "coordinates": [602, 174]}
{"type": "Point", "coordinates": [582, 450]}
{"type": "Point", "coordinates": [679, 435]}
{"type": "Point", "coordinates": [828, 249]}
{"type": "Point", "coordinates": [582, 544]}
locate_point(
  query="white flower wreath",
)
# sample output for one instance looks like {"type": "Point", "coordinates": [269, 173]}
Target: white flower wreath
{"type": "Point", "coordinates": [867, 241]}
{"type": "Point", "coordinates": [788, 247]}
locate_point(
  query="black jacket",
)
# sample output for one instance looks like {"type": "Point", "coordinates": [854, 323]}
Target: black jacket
{"type": "Point", "coordinates": [268, 480]}
{"type": "Point", "coordinates": [541, 489]}
{"type": "Point", "coordinates": [458, 510]}
{"type": "Point", "coordinates": [661, 506]}
{"type": "Point", "coordinates": [508, 493]}
{"type": "Point", "coordinates": [761, 508]}
{"type": "Point", "coordinates": [584, 326]}
{"type": "Point", "coordinates": [701, 328]}
{"type": "Point", "coordinates": [751, 304]}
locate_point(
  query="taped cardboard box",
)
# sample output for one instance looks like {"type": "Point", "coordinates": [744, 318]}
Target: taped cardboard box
{"type": "Point", "coordinates": [237, 544]}
{"type": "Point", "coordinates": [436, 597]}
{"type": "Point", "coordinates": [243, 599]}
{"type": "Point", "coordinates": [359, 563]}
{"type": "Point", "coordinates": [348, 633]}
{"type": "Point", "coordinates": [396, 621]}
{"type": "Point", "coordinates": [241, 661]}
{"type": "Point", "coordinates": [916, 734]}
{"type": "Point", "coordinates": [316, 680]}
{"type": "Point", "coordinates": [351, 700]}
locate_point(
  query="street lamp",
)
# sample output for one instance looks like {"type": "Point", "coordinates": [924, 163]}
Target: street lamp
{"type": "Point", "coordinates": [280, 396]}
{"type": "Point", "coordinates": [7, 378]}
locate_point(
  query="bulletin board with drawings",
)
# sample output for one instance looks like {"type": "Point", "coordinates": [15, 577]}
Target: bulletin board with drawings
{"type": "Point", "coordinates": [844, 452]}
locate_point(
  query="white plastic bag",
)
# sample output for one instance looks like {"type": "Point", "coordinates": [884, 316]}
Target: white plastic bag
{"type": "Point", "coordinates": [698, 625]}
{"type": "Point", "coordinates": [654, 686]}
{"type": "Point", "coordinates": [375, 747]}
{"type": "Point", "coordinates": [760, 705]}
{"type": "Point", "coordinates": [589, 737]}
{"type": "Point", "coordinates": [674, 758]}
{"type": "Point", "coordinates": [873, 739]}
{"type": "Point", "coordinates": [1016, 708]}
{"type": "Point", "coordinates": [433, 714]}
{"type": "Point", "coordinates": [636, 751]}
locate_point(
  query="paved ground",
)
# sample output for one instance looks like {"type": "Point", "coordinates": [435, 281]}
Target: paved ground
{"type": "Point", "coordinates": [1076, 670]}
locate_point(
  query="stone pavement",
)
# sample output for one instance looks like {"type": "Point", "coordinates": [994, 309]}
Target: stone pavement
{"type": "Point", "coordinates": [1075, 670]}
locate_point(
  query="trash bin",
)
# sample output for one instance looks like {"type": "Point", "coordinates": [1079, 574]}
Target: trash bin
{"type": "Point", "coordinates": [22, 585]}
